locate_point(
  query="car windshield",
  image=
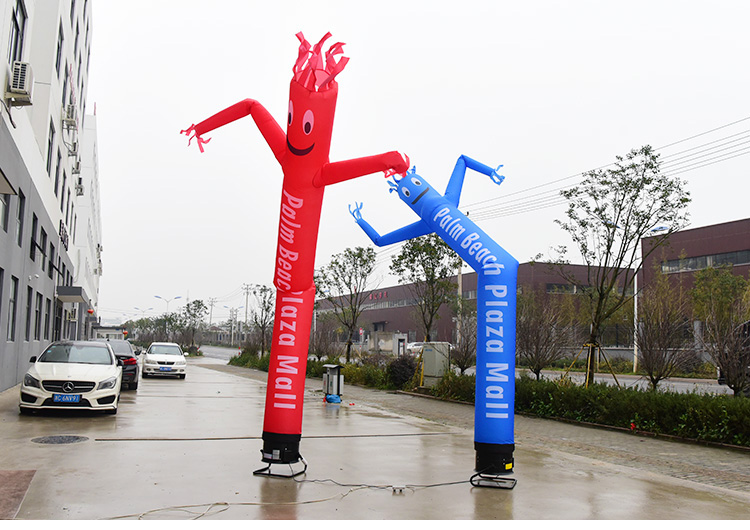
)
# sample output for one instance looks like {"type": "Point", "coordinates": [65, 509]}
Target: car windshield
{"type": "Point", "coordinates": [165, 349]}
{"type": "Point", "coordinates": [121, 347]}
{"type": "Point", "coordinates": [76, 353]}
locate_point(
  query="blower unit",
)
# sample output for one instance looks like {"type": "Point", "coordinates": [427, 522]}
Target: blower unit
{"type": "Point", "coordinates": [20, 84]}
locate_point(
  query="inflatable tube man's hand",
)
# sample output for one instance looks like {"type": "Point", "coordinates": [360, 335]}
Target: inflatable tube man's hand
{"type": "Point", "coordinates": [356, 213]}
{"type": "Point", "coordinates": [200, 140]}
{"type": "Point", "coordinates": [496, 177]}
{"type": "Point", "coordinates": [399, 165]}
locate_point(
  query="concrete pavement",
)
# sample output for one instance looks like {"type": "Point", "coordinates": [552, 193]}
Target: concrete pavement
{"type": "Point", "coordinates": [184, 449]}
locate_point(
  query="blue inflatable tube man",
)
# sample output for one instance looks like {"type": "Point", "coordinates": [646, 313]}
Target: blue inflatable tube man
{"type": "Point", "coordinates": [497, 273]}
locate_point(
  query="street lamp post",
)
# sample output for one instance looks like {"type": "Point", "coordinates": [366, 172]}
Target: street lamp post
{"type": "Point", "coordinates": [167, 300]}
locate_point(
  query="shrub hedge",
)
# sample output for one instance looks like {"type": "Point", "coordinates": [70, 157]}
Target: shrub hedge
{"type": "Point", "coordinates": [722, 419]}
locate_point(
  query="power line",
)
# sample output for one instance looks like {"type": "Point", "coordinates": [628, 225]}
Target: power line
{"type": "Point", "coordinates": [679, 164]}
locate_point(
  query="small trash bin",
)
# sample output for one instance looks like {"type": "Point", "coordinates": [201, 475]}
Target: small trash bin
{"type": "Point", "coordinates": [333, 380]}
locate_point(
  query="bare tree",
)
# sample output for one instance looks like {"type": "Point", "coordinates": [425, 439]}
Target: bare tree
{"type": "Point", "coordinates": [344, 283]}
{"type": "Point", "coordinates": [323, 342]}
{"type": "Point", "coordinates": [263, 314]}
{"type": "Point", "coordinates": [543, 328]}
{"type": "Point", "coordinates": [722, 301]}
{"type": "Point", "coordinates": [609, 213]}
{"type": "Point", "coordinates": [664, 344]}
{"type": "Point", "coordinates": [464, 352]}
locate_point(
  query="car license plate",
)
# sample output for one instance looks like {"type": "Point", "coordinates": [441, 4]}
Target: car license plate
{"type": "Point", "coordinates": [66, 398]}
{"type": "Point", "coordinates": [165, 369]}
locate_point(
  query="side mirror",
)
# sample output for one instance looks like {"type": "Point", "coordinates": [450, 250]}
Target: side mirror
{"type": "Point", "coordinates": [119, 362]}
{"type": "Point", "coordinates": [33, 359]}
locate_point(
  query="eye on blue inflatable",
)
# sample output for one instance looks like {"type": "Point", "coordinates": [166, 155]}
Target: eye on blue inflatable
{"type": "Point", "coordinates": [497, 273]}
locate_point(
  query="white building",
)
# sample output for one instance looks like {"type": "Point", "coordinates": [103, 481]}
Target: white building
{"type": "Point", "coordinates": [50, 228]}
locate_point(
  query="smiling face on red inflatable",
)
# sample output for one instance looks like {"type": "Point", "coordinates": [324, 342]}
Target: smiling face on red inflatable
{"type": "Point", "coordinates": [310, 124]}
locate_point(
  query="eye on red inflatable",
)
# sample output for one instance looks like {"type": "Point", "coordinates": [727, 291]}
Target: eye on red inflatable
{"type": "Point", "coordinates": [302, 153]}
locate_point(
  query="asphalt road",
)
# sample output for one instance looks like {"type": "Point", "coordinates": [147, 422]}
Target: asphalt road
{"type": "Point", "coordinates": [702, 386]}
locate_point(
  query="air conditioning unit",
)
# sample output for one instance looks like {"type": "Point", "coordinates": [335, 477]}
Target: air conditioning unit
{"type": "Point", "coordinates": [73, 149]}
{"type": "Point", "coordinates": [72, 315]}
{"type": "Point", "coordinates": [20, 84]}
{"type": "Point", "coordinates": [70, 117]}
{"type": "Point", "coordinates": [76, 167]}
{"type": "Point", "coordinates": [79, 187]}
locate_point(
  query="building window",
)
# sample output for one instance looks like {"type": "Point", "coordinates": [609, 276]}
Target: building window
{"type": "Point", "coordinates": [29, 296]}
{"type": "Point", "coordinates": [560, 288]}
{"type": "Point", "coordinates": [72, 12]}
{"type": "Point", "coordinates": [57, 172]}
{"type": "Point", "coordinates": [58, 59]}
{"type": "Point", "coordinates": [50, 147]}
{"type": "Point", "coordinates": [4, 209]}
{"type": "Point", "coordinates": [47, 317]}
{"type": "Point", "coordinates": [51, 260]}
{"type": "Point", "coordinates": [38, 317]}
{"type": "Point", "coordinates": [67, 210]}
{"type": "Point", "coordinates": [75, 44]}
{"type": "Point", "coordinates": [65, 87]}
{"type": "Point", "coordinates": [62, 192]}
{"type": "Point", "coordinates": [17, 32]}
{"type": "Point", "coordinates": [13, 301]}
{"type": "Point", "coordinates": [34, 228]}
{"type": "Point", "coordinates": [697, 263]}
{"type": "Point", "coordinates": [42, 246]}
{"type": "Point", "coordinates": [2, 283]}
{"type": "Point", "coordinates": [19, 217]}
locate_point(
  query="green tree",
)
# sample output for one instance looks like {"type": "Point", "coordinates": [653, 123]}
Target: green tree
{"type": "Point", "coordinates": [608, 214]}
{"type": "Point", "coordinates": [191, 318]}
{"type": "Point", "coordinates": [344, 283]}
{"type": "Point", "coordinates": [722, 301]}
{"type": "Point", "coordinates": [426, 264]}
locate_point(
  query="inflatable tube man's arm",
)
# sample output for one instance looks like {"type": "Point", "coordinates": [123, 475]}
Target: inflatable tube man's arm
{"type": "Point", "coordinates": [271, 131]}
{"type": "Point", "coordinates": [334, 172]}
{"type": "Point", "coordinates": [456, 182]}
{"type": "Point", "coordinates": [420, 228]}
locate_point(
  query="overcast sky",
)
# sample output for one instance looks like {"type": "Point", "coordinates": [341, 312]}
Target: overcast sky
{"type": "Point", "coordinates": [549, 89]}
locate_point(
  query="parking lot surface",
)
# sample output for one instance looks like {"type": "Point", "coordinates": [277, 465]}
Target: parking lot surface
{"type": "Point", "coordinates": [184, 449]}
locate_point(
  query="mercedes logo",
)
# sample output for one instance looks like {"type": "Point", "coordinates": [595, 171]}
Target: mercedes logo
{"type": "Point", "coordinates": [68, 386]}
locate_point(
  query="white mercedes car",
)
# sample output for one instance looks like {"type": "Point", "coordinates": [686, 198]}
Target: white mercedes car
{"type": "Point", "coordinates": [68, 375]}
{"type": "Point", "coordinates": [164, 358]}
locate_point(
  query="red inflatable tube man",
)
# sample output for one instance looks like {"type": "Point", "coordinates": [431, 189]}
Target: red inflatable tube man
{"type": "Point", "coordinates": [303, 155]}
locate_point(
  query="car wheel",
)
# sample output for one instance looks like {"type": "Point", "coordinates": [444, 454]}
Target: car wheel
{"type": "Point", "coordinates": [24, 411]}
{"type": "Point", "coordinates": [133, 386]}
{"type": "Point", "coordinates": [182, 376]}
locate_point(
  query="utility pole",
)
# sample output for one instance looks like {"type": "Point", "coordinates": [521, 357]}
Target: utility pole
{"type": "Point", "coordinates": [211, 302]}
{"type": "Point", "coordinates": [248, 289]}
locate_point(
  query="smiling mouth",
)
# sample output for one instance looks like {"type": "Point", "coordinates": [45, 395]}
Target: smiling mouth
{"type": "Point", "coordinates": [420, 195]}
{"type": "Point", "coordinates": [298, 152]}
